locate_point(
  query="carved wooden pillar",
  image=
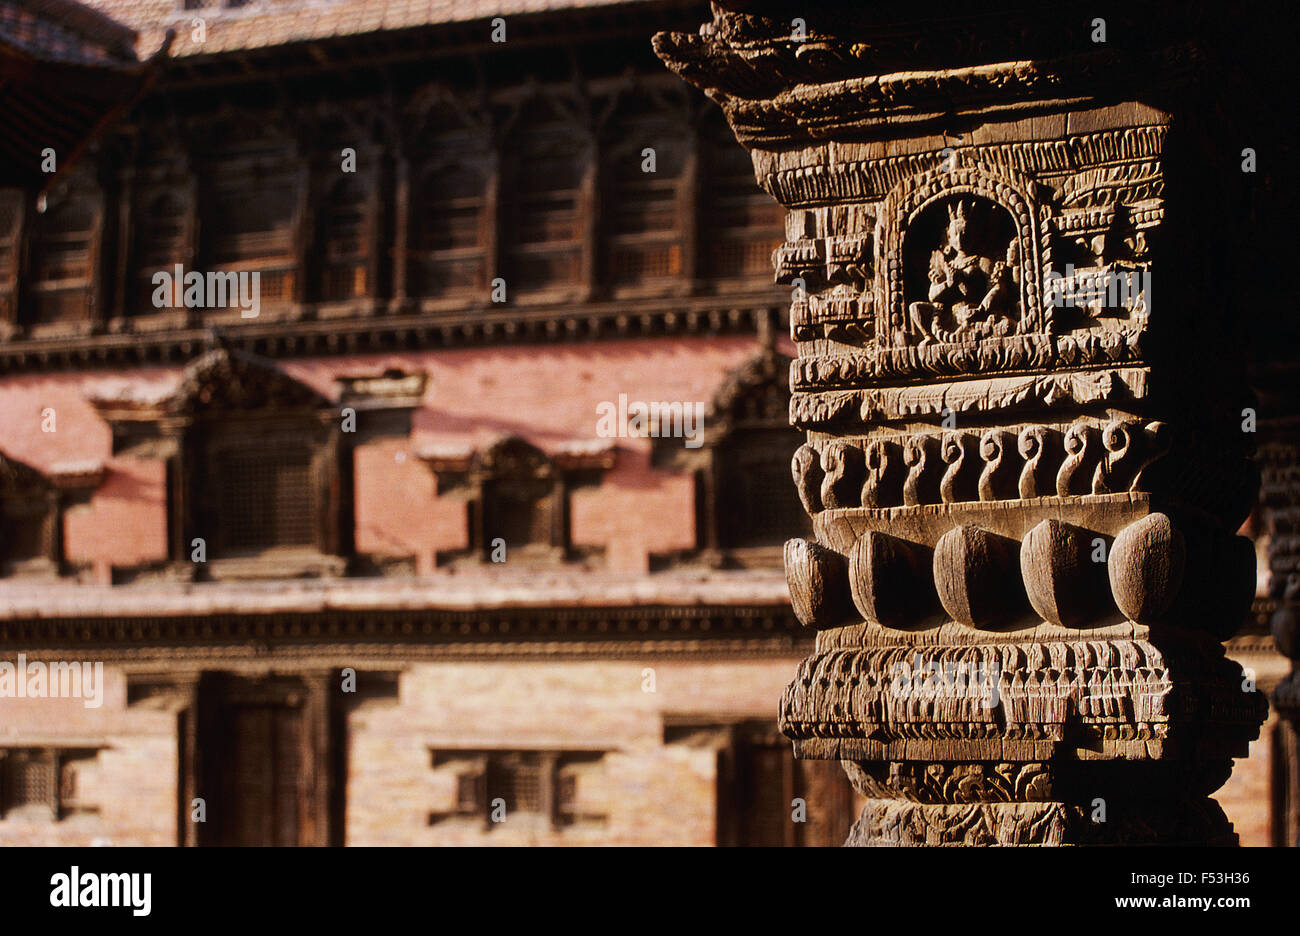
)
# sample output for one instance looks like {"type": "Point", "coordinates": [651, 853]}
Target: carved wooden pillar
{"type": "Point", "coordinates": [1024, 464]}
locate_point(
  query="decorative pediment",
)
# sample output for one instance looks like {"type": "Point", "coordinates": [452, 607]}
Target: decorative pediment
{"type": "Point", "coordinates": [513, 458]}
{"type": "Point", "coordinates": [755, 393]}
{"type": "Point", "coordinates": [224, 380]}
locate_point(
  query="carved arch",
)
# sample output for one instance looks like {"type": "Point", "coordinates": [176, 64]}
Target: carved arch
{"type": "Point", "coordinates": [226, 381]}
{"type": "Point", "coordinates": [1010, 191]}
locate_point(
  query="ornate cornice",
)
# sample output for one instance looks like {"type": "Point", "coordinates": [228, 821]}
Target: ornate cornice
{"type": "Point", "coordinates": [416, 634]}
{"type": "Point", "coordinates": [370, 334]}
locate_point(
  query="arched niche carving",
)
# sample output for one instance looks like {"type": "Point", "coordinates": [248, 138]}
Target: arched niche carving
{"type": "Point", "coordinates": [963, 261]}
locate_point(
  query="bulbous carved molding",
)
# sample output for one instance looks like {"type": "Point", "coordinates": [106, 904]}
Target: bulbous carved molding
{"type": "Point", "coordinates": [1146, 567]}
{"type": "Point", "coordinates": [889, 579]}
{"type": "Point", "coordinates": [1061, 575]}
{"type": "Point", "coordinates": [818, 580]}
{"type": "Point", "coordinates": [973, 576]}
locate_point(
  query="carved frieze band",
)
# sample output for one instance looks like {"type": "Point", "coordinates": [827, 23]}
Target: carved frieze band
{"type": "Point", "coordinates": [1113, 691]}
{"type": "Point", "coordinates": [848, 408]}
{"type": "Point", "coordinates": [953, 466]}
{"type": "Point", "coordinates": [870, 180]}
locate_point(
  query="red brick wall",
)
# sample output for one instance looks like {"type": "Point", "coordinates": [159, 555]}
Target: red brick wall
{"type": "Point", "coordinates": [547, 395]}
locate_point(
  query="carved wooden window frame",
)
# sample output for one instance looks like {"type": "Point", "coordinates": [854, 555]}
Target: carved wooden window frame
{"type": "Point", "coordinates": [13, 207]}
{"type": "Point", "coordinates": [484, 776]}
{"type": "Point", "coordinates": [723, 188]}
{"type": "Point", "coordinates": [475, 478]}
{"type": "Point", "coordinates": [726, 421]}
{"type": "Point", "coordinates": [314, 433]}
{"type": "Point", "coordinates": [79, 292]}
{"type": "Point", "coordinates": [246, 175]}
{"type": "Point", "coordinates": [531, 142]}
{"type": "Point", "coordinates": [624, 184]}
{"type": "Point", "coordinates": [345, 268]}
{"type": "Point", "coordinates": [60, 779]}
{"type": "Point", "coordinates": [28, 496]}
{"type": "Point", "coordinates": [429, 197]}
{"type": "Point", "coordinates": [226, 395]}
{"type": "Point", "coordinates": [149, 257]}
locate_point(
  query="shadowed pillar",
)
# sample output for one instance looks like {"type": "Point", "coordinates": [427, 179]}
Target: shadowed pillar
{"type": "Point", "coordinates": [1023, 398]}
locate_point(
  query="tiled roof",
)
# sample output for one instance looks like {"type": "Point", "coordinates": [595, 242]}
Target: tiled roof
{"type": "Point", "coordinates": [265, 23]}
{"type": "Point", "coordinates": [65, 31]}
{"type": "Point", "coordinates": [67, 68]}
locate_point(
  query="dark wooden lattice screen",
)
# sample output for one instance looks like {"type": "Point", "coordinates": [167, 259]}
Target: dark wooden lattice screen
{"type": "Point", "coordinates": [267, 498]}
{"type": "Point", "coordinates": [742, 224]}
{"type": "Point", "coordinates": [759, 504]}
{"type": "Point", "coordinates": [62, 257]}
{"type": "Point", "coordinates": [343, 236]}
{"type": "Point", "coordinates": [643, 225]}
{"type": "Point", "coordinates": [520, 780]}
{"type": "Point", "coordinates": [543, 240]}
{"type": "Point", "coordinates": [448, 245]}
{"type": "Point", "coordinates": [28, 779]}
{"type": "Point", "coordinates": [159, 245]}
{"type": "Point", "coordinates": [10, 229]}
{"type": "Point", "coordinates": [520, 513]}
{"type": "Point", "coordinates": [25, 527]}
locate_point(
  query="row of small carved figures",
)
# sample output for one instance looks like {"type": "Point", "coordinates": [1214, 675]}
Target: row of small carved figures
{"type": "Point", "coordinates": [998, 464]}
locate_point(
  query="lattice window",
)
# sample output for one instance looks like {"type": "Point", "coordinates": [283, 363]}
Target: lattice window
{"type": "Point", "coordinates": [643, 211]}
{"type": "Point", "coordinates": [520, 513]}
{"type": "Point", "coordinates": [543, 237]}
{"type": "Point", "coordinates": [343, 238]}
{"type": "Point", "coordinates": [29, 780]}
{"type": "Point", "coordinates": [267, 498]}
{"type": "Point", "coordinates": [521, 779]}
{"type": "Point", "coordinates": [62, 255]}
{"type": "Point", "coordinates": [248, 214]}
{"type": "Point", "coordinates": [742, 223]}
{"type": "Point", "coordinates": [160, 244]}
{"type": "Point", "coordinates": [544, 784]}
{"type": "Point", "coordinates": [11, 214]}
{"type": "Point", "coordinates": [520, 497]}
{"type": "Point", "coordinates": [26, 529]}
{"type": "Point", "coordinates": [449, 231]}
{"type": "Point", "coordinates": [758, 503]}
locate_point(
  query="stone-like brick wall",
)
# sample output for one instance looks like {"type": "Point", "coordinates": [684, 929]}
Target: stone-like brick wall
{"type": "Point", "coordinates": [650, 793]}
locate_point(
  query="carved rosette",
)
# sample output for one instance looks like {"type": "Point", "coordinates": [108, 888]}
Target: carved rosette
{"type": "Point", "coordinates": [1024, 478]}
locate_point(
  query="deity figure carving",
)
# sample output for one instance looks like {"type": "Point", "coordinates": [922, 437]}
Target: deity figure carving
{"type": "Point", "coordinates": [970, 295]}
